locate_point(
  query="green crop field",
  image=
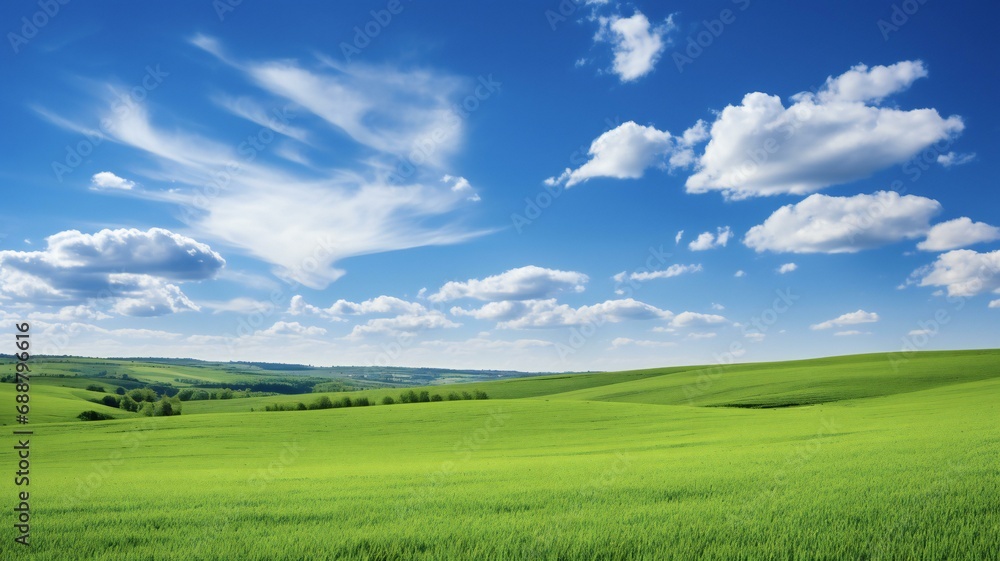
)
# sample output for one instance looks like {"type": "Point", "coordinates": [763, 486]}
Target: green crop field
{"type": "Point", "coordinates": [859, 457]}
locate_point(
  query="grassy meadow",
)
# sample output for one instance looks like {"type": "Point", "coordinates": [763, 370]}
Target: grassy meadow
{"type": "Point", "coordinates": [860, 457]}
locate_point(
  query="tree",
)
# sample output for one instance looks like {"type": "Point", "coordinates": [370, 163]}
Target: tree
{"type": "Point", "coordinates": [322, 403]}
{"type": "Point", "coordinates": [128, 404]}
{"type": "Point", "coordinates": [142, 394]}
{"type": "Point", "coordinates": [425, 396]}
{"type": "Point", "coordinates": [120, 390]}
{"type": "Point", "coordinates": [95, 388]}
{"type": "Point", "coordinates": [163, 408]}
{"type": "Point", "coordinates": [437, 397]}
{"type": "Point", "coordinates": [466, 395]}
{"type": "Point", "coordinates": [111, 400]}
{"type": "Point", "coordinates": [481, 395]}
{"type": "Point", "coordinates": [185, 395]}
{"type": "Point", "coordinates": [453, 396]}
{"type": "Point", "coordinates": [388, 400]}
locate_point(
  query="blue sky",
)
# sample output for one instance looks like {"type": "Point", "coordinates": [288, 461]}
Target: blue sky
{"type": "Point", "coordinates": [537, 186]}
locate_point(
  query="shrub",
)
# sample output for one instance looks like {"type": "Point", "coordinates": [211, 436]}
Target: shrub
{"type": "Point", "coordinates": [142, 394]}
{"type": "Point", "coordinates": [322, 403]}
{"type": "Point", "coordinates": [466, 395]}
{"type": "Point", "coordinates": [481, 395]}
{"type": "Point", "coordinates": [388, 400]}
{"type": "Point", "coordinates": [111, 401]}
{"type": "Point", "coordinates": [120, 390]}
{"type": "Point", "coordinates": [128, 404]}
{"type": "Point", "coordinates": [93, 416]}
{"type": "Point", "coordinates": [200, 395]}
{"type": "Point", "coordinates": [413, 396]}
{"type": "Point", "coordinates": [225, 394]}
{"type": "Point", "coordinates": [95, 388]}
{"type": "Point", "coordinates": [425, 396]}
{"type": "Point", "coordinates": [301, 406]}
{"type": "Point", "coordinates": [362, 402]}
{"type": "Point", "coordinates": [437, 397]}
{"type": "Point", "coordinates": [163, 408]}
{"type": "Point", "coordinates": [146, 409]}
{"type": "Point", "coordinates": [185, 395]}
{"type": "Point", "coordinates": [453, 396]}
{"type": "Point", "coordinates": [345, 402]}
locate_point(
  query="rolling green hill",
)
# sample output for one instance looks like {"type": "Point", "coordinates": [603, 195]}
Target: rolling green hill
{"type": "Point", "coordinates": [889, 461]}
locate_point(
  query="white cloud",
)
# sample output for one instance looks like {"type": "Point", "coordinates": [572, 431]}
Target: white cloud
{"type": "Point", "coordinates": [958, 233]}
{"type": "Point", "coordinates": [919, 332]}
{"type": "Point", "coordinates": [825, 224]}
{"type": "Point", "coordinates": [838, 135]}
{"type": "Point", "coordinates": [675, 270]}
{"type": "Point", "coordinates": [694, 319]}
{"type": "Point", "coordinates": [696, 336]}
{"type": "Point", "coordinates": [755, 336]}
{"type": "Point", "coordinates": [549, 313]}
{"type": "Point", "coordinates": [994, 304]}
{"type": "Point", "coordinates": [620, 342]}
{"type": "Point", "coordinates": [524, 283]}
{"type": "Point", "coordinates": [740, 274]}
{"type": "Point", "coordinates": [108, 180]}
{"type": "Point", "coordinates": [787, 268]}
{"type": "Point", "coordinates": [707, 240]}
{"type": "Point", "coordinates": [462, 186]}
{"type": "Point", "coordinates": [292, 328]}
{"type": "Point", "coordinates": [677, 238]}
{"type": "Point", "coordinates": [240, 305]}
{"type": "Point", "coordinates": [126, 268]}
{"type": "Point", "coordinates": [851, 332]}
{"type": "Point", "coordinates": [953, 159]}
{"type": "Point", "coordinates": [622, 153]}
{"type": "Point", "coordinates": [340, 308]}
{"type": "Point", "coordinates": [717, 307]}
{"type": "Point", "coordinates": [371, 203]}
{"type": "Point", "coordinates": [70, 313]}
{"type": "Point", "coordinates": [852, 318]}
{"type": "Point", "coordinates": [963, 272]}
{"type": "Point", "coordinates": [147, 296]}
{"type": "Point", "coordinates": [405, 323]}
{"type": "Point", "coordinates": [636, 44]}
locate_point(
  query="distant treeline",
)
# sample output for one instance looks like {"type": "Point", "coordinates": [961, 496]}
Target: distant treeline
{"type": "Point", "coordinates": [411, 396]}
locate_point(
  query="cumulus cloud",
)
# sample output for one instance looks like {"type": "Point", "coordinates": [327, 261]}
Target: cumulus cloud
{"type": "Point", "coordinates": [994, 304]}
{"type": "Point", "coordinates": [837, 135]}
{"type": "Point", "coordinates": [625, 152]}
{"type": "Point", "coordinates": [292, 328]}
{"type": "Point", "coordinates": [963, 272]}
{"type": "Point", "coordinates": [958, 233]}
{"type": "Point", "coordinates": [851, 332]}
{"type": "Point", "coordinates": [108, 180]}
{"type": "Point", "coordinates": [462, 186]}
{"type": "Point", "coordinates": [694, 319]}
{"type": "Point", "coordinates": [524, 283]}
{"type": "Point", "coordinates": [852, 318]}
{"type": "Point", "coordinates": [708, 240]}
{"type": "Point", "coordinates": [787, 268]}
{"type": "Point", "coordinates": [740, 274]}
{"type": "Point", "coordinates": [550, 313]}
{"type": "Point", "coordinates": [129, 269]}
{"type": "Point", "coordinates": [825, 224]}
{"type": "Point", "coordinates": [403, 324]}
{"type": "Point", "coordinates": [636, 43]}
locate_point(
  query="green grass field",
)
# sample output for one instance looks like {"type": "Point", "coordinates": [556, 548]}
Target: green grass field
{"type": "Point", "coordinates": [859, 457]}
